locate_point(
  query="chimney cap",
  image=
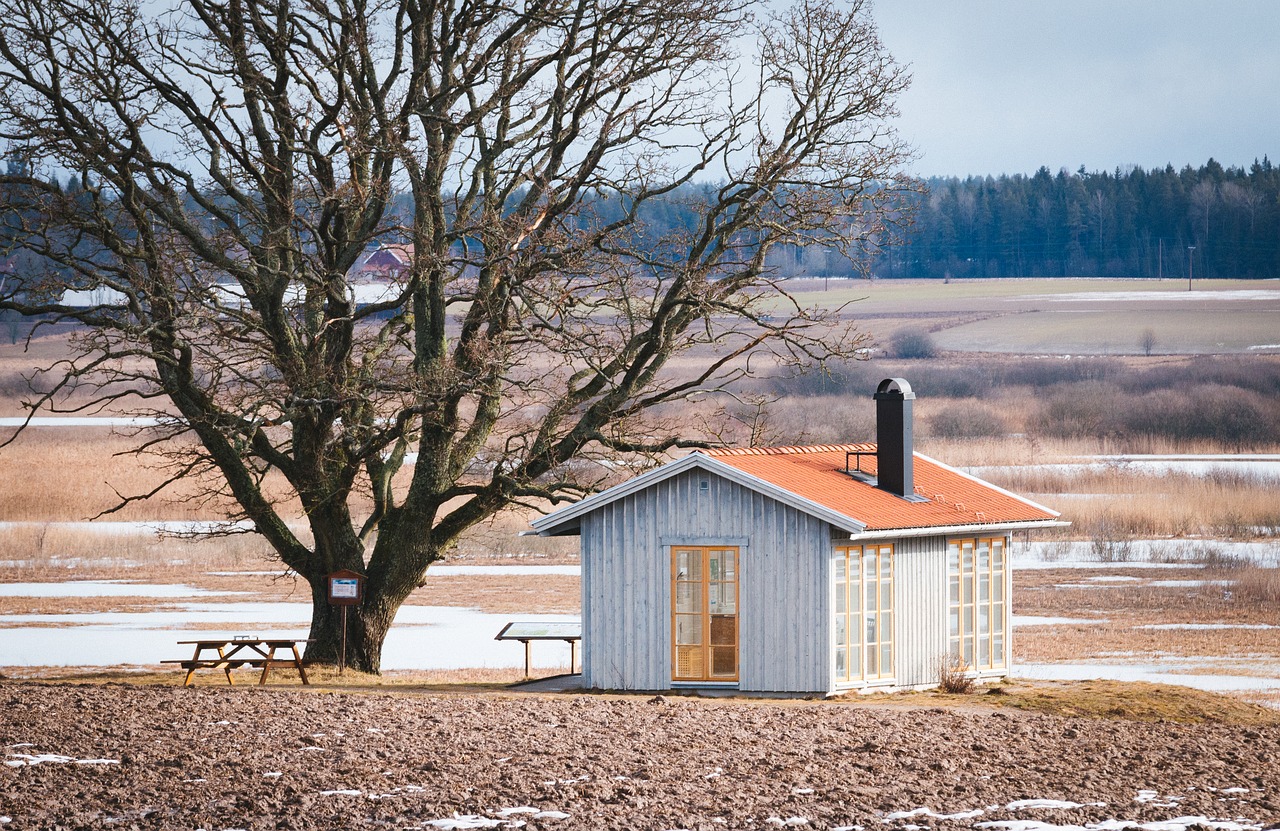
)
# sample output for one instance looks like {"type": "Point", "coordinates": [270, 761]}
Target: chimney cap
{"type": "Point", "coordinates": [894, 387]}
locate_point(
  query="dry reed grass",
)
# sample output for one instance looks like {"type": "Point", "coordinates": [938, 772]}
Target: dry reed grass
{"type": "Point", "coordinates": [1260, 586]}
{"type": "Point", "coordinates": [1110, 642]}
{"type": "Point", "coordinates": [53, 552]}
{"type": "Point", "coordinates": [72, 474]}
{"type": "Point", "coordinates": [500, 594]}
{"type": "Point", "coordinates": [1201, 595]}
{"type": "Point", "coordinates": [1127, 615]}
{"type": "Point", "coordinates": [1111, 503]}
{"type": "Point", "coordinates": [1132, 701]}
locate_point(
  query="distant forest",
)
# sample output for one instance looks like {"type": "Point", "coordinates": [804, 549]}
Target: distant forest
{"type": "Point", "coordinates": [1130, 223]}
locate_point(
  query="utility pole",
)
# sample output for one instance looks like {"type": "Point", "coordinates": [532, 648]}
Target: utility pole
{"type": "Point", "coordinates": [1191, 258]}
{"type": "Point", "coordinates": [1160, 261]}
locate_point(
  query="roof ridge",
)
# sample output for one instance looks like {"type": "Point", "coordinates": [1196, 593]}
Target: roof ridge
{"type": "Point", "coordinates": [790, 450]}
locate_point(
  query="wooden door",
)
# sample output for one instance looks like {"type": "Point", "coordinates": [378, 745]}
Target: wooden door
{"type": "Point", "coordinates": [704, 613]}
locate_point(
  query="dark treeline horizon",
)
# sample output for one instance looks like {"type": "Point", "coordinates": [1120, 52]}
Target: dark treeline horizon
{"type": "Point", "coordinates": [1129, 222]}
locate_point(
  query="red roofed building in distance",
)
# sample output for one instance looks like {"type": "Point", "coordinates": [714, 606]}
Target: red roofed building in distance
{"type": "Point", "coordinates": [387, 264]}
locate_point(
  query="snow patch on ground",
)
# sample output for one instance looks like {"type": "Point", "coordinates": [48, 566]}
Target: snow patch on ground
{"type": "Point", "coordinates": [1197, 296]}
{"type": "Point", "coordinates": [1047, 805]}
{"type": "Point", "coordinates": [501, 818]}
{"type": "Point", "coordinates": [19, 760]}
{"type": "Point", "coordinates": [104, 588]}
{"type": "Point", "coordinates": [1207, 626]}
{"type": "Point", "coordinates": [928, 812]}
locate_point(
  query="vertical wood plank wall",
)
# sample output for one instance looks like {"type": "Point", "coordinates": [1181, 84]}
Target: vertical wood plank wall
{"type": "Point", "coordinates": [783, 614]}
{"type": "Point", "coordinates": [920, 603]}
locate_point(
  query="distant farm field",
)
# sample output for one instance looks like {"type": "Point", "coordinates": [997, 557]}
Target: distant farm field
{"type": "Point", "coordinates": [1062, 316]}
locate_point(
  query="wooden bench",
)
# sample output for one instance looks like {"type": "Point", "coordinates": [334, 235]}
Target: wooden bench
{"type": "Point", "coordinates": [242, 651]}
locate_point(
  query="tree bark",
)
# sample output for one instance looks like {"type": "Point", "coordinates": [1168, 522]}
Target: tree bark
{"type": "Point", "coordinates": [235, 163]}
{"type": "Point", "coordinates": [367, 627]}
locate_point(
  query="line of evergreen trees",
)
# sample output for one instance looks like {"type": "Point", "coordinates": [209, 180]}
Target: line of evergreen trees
{"type": "Point", "coordinates": [1130, 223]}
{"type": "Point", "coordinates": [1214, 221]}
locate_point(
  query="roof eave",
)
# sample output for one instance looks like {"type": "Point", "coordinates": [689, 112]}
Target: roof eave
{"type": "Point", "coordinates": [987, 484]}
{"type": "Point", "coordinates": [566, 520]}
{"type": "Point", "coordinates": [953, 530]}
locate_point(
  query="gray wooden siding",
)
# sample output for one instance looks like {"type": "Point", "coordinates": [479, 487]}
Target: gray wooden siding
{"type": "Point", "coordinates": [783, 612]}
{"type": "Point", "coordinates": [920, 605]}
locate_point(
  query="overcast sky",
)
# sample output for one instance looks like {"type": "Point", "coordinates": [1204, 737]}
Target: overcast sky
{"type": "Point", "coordinates": [1005, 87]}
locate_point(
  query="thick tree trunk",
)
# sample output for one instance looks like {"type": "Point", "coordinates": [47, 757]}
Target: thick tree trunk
{"type": "Point", "coordinates": [367, 627]}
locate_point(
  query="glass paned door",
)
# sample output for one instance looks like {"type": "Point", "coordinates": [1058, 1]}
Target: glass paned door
{"type": "Point", "coordinates": [704, 595]}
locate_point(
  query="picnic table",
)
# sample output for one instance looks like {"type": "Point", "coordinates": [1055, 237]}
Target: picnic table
{"type": "Point", "coordinates": [227, 654]}
{"type": "Point", "coordinates": [526, 633]}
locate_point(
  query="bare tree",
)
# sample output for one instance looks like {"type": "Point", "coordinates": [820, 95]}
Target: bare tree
{"type": "Point", "coordinates": [235, 158]}
{"type": "Point", "coordinates": [1242, 198]}
{"type": "Point", "coordinates": [1203, 197]}
{"type": "Point", "coordinates": [1147, 340]}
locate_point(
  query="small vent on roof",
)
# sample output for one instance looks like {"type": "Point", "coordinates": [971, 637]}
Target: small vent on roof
{"type": "Point", "coordinates": [856, 455]}
{"type": "Point", "coordinates": [853, 466]}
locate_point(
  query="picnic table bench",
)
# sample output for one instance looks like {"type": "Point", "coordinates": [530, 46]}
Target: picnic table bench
{"type": "Point", "coordinates": [227, 654]}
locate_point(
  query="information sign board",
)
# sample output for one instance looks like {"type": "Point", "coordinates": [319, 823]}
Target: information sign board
{"type": "Point", "coordinates": [346, 588]}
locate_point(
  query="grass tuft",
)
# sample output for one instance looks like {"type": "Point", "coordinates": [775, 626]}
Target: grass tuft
{"type": "Point", "coordinates": [954, 676]}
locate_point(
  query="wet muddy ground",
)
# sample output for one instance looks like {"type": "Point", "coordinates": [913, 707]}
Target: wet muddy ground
{"type": "Point", "coordinates": [123, 756]}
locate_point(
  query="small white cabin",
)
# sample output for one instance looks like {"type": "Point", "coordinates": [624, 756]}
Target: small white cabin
{"type": "Point", "coordinates": [797, 569]}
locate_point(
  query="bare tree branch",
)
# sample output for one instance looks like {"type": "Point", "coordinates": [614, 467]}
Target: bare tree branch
{"type": "Point", "coordinates": [234, 159]}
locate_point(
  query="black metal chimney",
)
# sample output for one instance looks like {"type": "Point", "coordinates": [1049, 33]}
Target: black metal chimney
{"type": "Point", "coordinates": [894, 442]}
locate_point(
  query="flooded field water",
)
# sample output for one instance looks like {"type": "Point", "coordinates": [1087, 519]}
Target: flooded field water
{"type": "Point", "coordinates": [439, 637]}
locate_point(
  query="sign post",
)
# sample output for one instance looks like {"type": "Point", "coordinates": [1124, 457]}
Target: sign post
{"type": "Point", "coordinates": [346, 589]}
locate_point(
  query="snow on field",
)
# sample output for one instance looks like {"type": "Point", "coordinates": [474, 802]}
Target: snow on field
{"type": "Point", "coordinates": [1048, 805]}
{"type": "Point", "coordinates": [1204, 626]}
{"type": "Point", "coordinates": [1178, 824]}
{"type": "Point", "coordinates": [1181, 673]}
{"type": "Point", "coordinates": [1243, 295]}
{"type": "Point", "coordinates": [1038, 620]}
{"type": "Point", "coordinates": [104, 588]}
{"type": "Point", "coordinates": [18, 760]}
{"type": "Point", "coordinates": [157, 526]}
{"type": "Point", "coordinates": [1263, 465]}
{"type": "Point", "coordinates": [1151, 798]}
{"type": "Point", "coordinates": [503, 571]}
{"type": "Point", "coordinates": [423, 637]}
{"type": "Point", "coordinates": [1143, 554]}
{"type": "Point", "coordinates": [927, 812]}
{"type": "Point", "coordinates": [84, 421]}
{"type": "Point", "coordinates": [502, 818]}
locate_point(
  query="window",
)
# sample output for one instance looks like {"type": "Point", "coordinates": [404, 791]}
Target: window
{"type": "Point", "coordinates": [704, 612]}
{"type": "Point", "coordinates": [864, 612]}
{"type": "Point", "coordinates": [976, 571]}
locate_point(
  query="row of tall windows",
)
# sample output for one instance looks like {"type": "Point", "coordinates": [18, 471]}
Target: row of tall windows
{"type": "Point", "coordinates": [977, 604]}
{"type": "Point", "coordinates": [864, 612]}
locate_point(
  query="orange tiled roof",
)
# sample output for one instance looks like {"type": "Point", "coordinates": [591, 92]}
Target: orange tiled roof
{"type": "Point", "coordinates": [817, 474]}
